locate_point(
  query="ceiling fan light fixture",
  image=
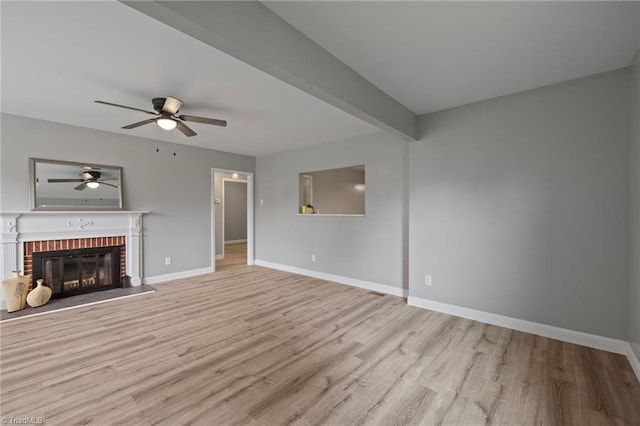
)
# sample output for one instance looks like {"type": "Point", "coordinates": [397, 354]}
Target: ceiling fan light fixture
{"type": "Point", "coordinates": [166, 123]}
{"type": "Point", "coordinates": [93, 184]}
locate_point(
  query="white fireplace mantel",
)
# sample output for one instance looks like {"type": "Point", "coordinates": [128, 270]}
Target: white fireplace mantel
{"type": "Point", "coordinates": [19, 227]}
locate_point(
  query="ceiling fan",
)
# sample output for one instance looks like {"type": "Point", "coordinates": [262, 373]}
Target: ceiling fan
{"type": "Point", "coordinates": [90, 179]}
{"type": "Point", "coordinates": [165, 116]}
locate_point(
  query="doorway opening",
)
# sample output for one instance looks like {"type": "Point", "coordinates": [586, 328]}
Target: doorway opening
{"type": "Point", "coordinates": [232, 219]}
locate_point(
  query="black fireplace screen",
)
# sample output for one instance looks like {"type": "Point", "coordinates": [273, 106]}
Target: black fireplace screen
{"type": "Point", "coordinates": [72, 272]}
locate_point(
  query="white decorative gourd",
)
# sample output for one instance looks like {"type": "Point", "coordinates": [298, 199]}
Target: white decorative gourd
{"type": "Point", "coordinates": [39, 295]}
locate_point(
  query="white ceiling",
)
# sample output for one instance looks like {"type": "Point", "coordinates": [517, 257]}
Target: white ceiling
{"type": "Point", "coordinates": [58, 57]}
{"type": "Point", "coordinates": [431, 56]}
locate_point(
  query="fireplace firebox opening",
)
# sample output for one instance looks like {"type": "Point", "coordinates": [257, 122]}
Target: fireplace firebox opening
{"type": "Point", "coordinates": [78, 271]}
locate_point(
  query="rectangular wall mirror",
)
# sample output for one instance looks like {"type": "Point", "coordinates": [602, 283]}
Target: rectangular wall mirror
{"type": "Point", "coordinates": [334, 191]}
{"type": "Point", "coordinates": [62, 185]}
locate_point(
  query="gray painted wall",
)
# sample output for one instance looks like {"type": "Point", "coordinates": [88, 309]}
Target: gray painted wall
{"type": "Point", "coordinates": [633, 326]}
{"type": "Point", "coordinates": [176, 190]}
{"type": "Point", "coordinates": [235, 211]}
{"type": "Point", "coordinates": [366, 247]}
{"type": "Point", "coordinates": [520, 205]}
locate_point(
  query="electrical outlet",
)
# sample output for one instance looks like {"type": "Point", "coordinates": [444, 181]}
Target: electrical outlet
{"type": "Point", "coordinates": [167, 260]}
{"type": "Point", "coordinates": [428, 280]}
{"type": "Point", "coordinates": [262, 201]}
{"type": "Point", "coordinates": [313, 257]}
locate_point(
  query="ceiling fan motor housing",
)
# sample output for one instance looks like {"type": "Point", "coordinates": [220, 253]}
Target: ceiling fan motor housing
{"type": "Point", "coordinates": [90, 175]}
{"type": "Point", "coordinates": [158, 103]}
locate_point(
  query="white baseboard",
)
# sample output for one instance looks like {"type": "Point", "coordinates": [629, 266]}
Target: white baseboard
{"type": "Point", "coordinates": [380, 288]}
{"type": "Point", "coordinates": [219, 256]}
{"type": "Point", "coordinates": [176, 275]}
{"type": "Point", "coordinates": [633, 360]}
{"type": "Point", "coordinates": [566, 335]}
{"type": "Point", "coordinates": [236, 241]}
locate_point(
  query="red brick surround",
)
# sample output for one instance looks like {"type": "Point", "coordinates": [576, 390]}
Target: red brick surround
{"type": "Point", "coordinates": [78, 243]}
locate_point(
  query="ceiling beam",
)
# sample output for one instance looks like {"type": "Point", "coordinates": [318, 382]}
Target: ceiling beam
{"type": "Point", "coordinates": [252, 33]}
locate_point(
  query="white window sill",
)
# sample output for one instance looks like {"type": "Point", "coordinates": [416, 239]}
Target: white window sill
{"type": "Point", "coordinates": [323, 214]}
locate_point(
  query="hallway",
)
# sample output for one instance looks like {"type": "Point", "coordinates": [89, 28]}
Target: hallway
{"type": "Point", "coordinates": [234, 255]}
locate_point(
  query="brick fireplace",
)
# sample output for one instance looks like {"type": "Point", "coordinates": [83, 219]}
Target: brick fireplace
{"type": "Point", "coordinates": [25, 233]}
{"type": "Point", "coordinates": [77, 243]}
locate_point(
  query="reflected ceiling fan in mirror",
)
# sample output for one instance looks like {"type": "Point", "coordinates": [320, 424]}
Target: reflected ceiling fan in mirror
{"type": "Point", "coordinates": [90, 179]}
{"type": "Point", "coordinates": [165, 116]}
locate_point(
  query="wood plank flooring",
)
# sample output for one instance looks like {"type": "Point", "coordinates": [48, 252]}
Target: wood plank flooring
{"type": "Point", "coordinates": [255, 346]}
{"type": "Point", "coordinates": [234, 255]}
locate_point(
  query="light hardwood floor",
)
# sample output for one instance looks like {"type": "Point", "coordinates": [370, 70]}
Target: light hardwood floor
{"type": "Point", "coordinates": [255, 346]}
{"type": "Point", "coordinates": [234, 255]}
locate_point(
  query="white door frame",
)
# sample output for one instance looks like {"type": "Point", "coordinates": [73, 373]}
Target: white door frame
{"type": "Point", "coordinates": [250, 213]}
